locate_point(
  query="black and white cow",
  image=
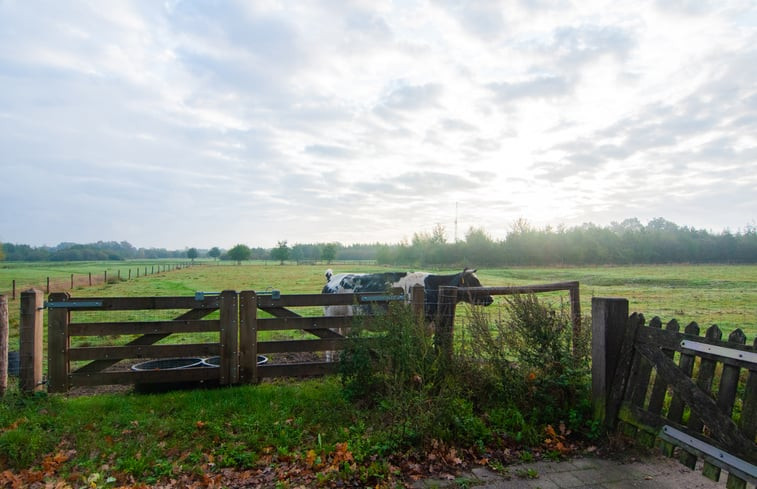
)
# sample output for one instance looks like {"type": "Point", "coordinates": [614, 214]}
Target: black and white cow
{"type": "Point", "coordinates": [349, 283]}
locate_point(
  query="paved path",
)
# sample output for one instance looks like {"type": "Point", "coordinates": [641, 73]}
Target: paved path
{"type": "Point", "coordinates": [653, 472]}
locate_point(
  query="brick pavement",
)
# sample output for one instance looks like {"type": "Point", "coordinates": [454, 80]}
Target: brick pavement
{"type": "Point", "coordinates": [656, 472]}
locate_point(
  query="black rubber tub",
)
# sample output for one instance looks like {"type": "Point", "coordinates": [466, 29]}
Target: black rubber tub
{"type": "Point", "coordinates": [216, 361]}
{"type": "Point", "coordinates": [171, 364]}
{"type": "Point", "coordinates": [168, 364]}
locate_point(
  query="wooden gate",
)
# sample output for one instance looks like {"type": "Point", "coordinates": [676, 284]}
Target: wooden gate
{"type": "Point", "coordinates": [235, 328]}
{"type": "Point", "coordinates": [65, 323]}
{"type": "Point", "coordinates": [698, 393]}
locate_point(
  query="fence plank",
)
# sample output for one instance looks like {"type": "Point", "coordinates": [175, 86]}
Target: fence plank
{"type": "Point", "coordinates": [686, 366]}
{"type": "Point", "coordinates": [229, 337]}
{"type": "Point", "coordinates": [310, 300]}
{"type": "Point", "coordinates": [704, 381]}
{"type": "Point", "coordinates": [729, 381]}
{"type": "Point", "coordinates": [304, 323]}
{"type": "Point", "coordinates": [151, 303]}
{"type": "Point", "coordinates": [248, 337]}
{"type": "Point", "coordinates": [660, 387]}
{"type": "Point", "coordinates": [142, 351]}
{"type": "Point", "coordinates": [281, 312]}
{"type": "Point", "coordinates": [143, 327]}
{"type": "Point", "coordinates": [146, 377]}
{"type": "Point", "coordinates": [639, 383]}
{"type": "Point", "coordinates": [58, 345]}
{"type": "Point", "coordinates": [748, 419]}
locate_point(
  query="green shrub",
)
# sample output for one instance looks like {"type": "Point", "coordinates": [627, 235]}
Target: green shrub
{"type": "Point", "coordinates": [511, 374]}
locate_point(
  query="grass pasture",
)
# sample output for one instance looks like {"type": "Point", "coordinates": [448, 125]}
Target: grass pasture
{"type": "Point", "coordinates": [725, 295]}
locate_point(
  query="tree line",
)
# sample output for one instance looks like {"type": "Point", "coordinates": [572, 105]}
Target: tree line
{"type": "Point", "coordinates": [627, 242]}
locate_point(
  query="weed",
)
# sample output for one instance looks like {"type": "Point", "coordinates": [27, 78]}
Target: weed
{"type": "Point", "coordinates": [527, 473]}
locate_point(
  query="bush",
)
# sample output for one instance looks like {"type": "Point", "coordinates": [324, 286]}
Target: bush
{"type": "Point", "coordinates": [510, 375]}
{"type": "Point", "coordinates": [527, 359]}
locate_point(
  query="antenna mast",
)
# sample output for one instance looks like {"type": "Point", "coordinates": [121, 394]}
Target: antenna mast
{"type": "Point", "coordinates": [455, 222]}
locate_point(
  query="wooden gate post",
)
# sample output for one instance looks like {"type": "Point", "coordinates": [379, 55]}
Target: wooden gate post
{"type": "Point", "coordinates": [3, 344]}
{"type": "Point", "coordinates": [418, 302]}
{"type": "Point", "coordinates": [248, 337]}
{"type": "Point", "coordinates": [575, 316]}
{"type": "Point", "coordinates": [30, 341]}
{"type": "Point", "coordinates": [445, 321]}
{"type": "Point", "coordinates": [229, 308]}
{"type": "Point", "coordinates": [609, 317]}
{"type": "Point", "coordinates": [58, 343]}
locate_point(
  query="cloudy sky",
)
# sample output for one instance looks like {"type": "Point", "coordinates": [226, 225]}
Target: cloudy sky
{"type": "Point", "coordinates": [175, 124]}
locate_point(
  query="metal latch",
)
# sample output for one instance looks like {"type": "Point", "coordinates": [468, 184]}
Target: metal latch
{"type": "Point", "coordinates": [721, 351]}
{"type": "Point", "coordinates": [716, 455]}
{"type": "Point", "coordinates": [381, 298]}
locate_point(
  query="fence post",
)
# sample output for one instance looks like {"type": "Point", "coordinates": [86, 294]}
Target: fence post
{"type": "Point", "coordinates": [58, 345]}
{"type": "Point", "coordinates": [90, 279]}
{"type": "Point", "coordinates": [609, 318]}
{"type": "Point", "coordinates": [445, 321]}
{"type": "Point", "coordinates": [13, 297]}
{"type": "Point", "coordinates": [3, 344]}
{"type": "Point", "coordinates": [248, 337]}
{"type": "Point", "coordinates": [229, 337]}
{"type": "Point", "coordinates": [30, 341]}
{"type": "Point", "coordinates": [417, 300]}
{"type": "Point", "coordinates": [575, 316]}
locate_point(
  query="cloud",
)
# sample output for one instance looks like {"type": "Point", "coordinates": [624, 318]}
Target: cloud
{"type": "Point", "coordinates": [546, 86]}
{"type": "Point", "coordinates": [366, 121]}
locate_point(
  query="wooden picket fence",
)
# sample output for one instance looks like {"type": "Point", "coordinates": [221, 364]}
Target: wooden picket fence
{"type": "Point", "coordinates": [677, 389]}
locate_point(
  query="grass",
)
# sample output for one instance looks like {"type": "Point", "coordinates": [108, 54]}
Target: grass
{"type": "Point", "coordinates": [153, 436]}
{"type": "Point", "coordinates": [708, 294]}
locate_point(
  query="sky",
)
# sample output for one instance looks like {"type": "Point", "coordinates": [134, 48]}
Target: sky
{"type": "Point", "coordinates": [175, 124]}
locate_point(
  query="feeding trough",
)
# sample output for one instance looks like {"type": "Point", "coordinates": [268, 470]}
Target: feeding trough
{"type": "Point", "coordinates": [168, 364]}
{"type": "Point", "coordinates": [216, 361]}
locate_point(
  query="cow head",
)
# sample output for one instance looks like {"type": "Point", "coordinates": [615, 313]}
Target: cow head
{"type": "Point", "coordinates": [468, 278]}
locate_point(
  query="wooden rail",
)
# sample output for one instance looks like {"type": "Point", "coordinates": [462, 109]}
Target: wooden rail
{"type": "Point", "coordinates": [450, 296]}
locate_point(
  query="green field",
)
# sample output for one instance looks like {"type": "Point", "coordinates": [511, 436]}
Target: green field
{"type": "Point", "coordinates": [725, 295]}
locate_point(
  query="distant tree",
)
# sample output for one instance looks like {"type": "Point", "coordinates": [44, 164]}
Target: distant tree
{"type": "Point", "coordinates": [214, 252]}
{"type": "Point", "coordinates": [328, 253]}
{"type": "Point", "coordinates": [281, 252]}
{"type": "Point", "coordinates": [192, 254]}
{"type": "Point", "coordinates": [2, 255]}
{"type": "Point", "coordinates": [239, 253]}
